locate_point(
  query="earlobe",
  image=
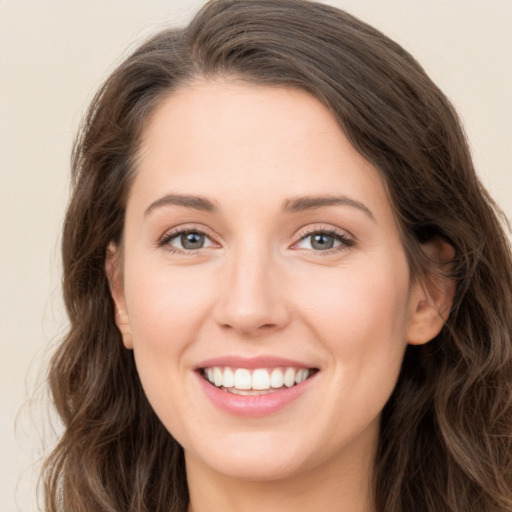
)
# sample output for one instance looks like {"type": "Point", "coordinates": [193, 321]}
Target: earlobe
{"type": "Point", "coordinates": [431, 296]}
{"type": "Point", "coordinates": [113, 269]}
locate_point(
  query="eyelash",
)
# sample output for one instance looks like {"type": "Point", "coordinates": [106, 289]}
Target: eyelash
{"type": "Point", "coordinates": [176, 233]}
{"type": "Point", "coordinates": [345, 240]}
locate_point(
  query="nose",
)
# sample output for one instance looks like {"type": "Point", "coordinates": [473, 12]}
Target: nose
{"type": "Point", "coordinates": [251, 299]}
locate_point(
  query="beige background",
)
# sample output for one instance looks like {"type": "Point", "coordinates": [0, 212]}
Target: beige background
{"type": "Point", "coordinates": [54, 54]}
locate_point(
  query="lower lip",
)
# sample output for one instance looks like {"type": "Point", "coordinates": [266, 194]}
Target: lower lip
{"type": "Point", "coordinates": [253, 405]}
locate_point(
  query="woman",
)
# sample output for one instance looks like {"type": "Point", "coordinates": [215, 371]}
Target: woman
{"type": "Point", "coordinates": [287, 288]}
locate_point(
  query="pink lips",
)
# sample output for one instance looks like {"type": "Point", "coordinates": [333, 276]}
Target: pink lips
{"type": "Point", "coordinates": [251, 362]}
{"type": "Point", "coordinates": [252, 405]}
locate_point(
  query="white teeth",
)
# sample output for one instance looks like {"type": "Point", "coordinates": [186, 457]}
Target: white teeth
{"type": "Point", "coordinates": [217, 376]}
{"type": "Point", "coordinates": [301, 376]}
{"type": "Point", "coordinates": [289, 377]}
{"type": "Point", "coordinates": [261, 379]}
{"type": "Point", "coordinates": [243, 379]}
{"type": "Point", "coordinates": [276, 378]}
{"type": "Point", "coordinates": [229, 378]}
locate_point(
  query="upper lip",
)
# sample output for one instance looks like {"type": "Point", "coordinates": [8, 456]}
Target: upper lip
{"type": "Point", "coordinates": [264, 361]}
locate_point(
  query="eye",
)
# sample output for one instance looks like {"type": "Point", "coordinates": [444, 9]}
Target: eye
{"type": "Point", "coordinates": [186, 240]}
{"type": "Point", "coordinates": [324, 240]}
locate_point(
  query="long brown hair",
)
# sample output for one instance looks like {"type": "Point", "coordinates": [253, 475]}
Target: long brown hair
{"type": "Point", "coordinates": [446, 432]}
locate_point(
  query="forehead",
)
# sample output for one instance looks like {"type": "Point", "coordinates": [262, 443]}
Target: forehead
{"type": "Point", "coordinates": [227, 138]}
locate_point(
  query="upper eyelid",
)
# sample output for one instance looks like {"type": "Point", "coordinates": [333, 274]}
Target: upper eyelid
{"type": "Point", "coordinates": [341, 239]}
{"type": "Point", "coordinates": [177, 230]}
{"type": "Point", "coordinates": [328, 229]}
{"type": "Point", "coordinates": [165, 240]}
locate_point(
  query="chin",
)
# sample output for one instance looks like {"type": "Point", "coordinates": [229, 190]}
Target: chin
{"type": "Point", "coordinates": [256, 468]}
{"type": "Point", "coordinates": [257, 458]}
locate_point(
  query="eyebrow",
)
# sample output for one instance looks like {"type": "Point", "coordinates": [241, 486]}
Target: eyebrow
{"type": "Point", "coordinates": [188, 201]}
{"type": "Point", "coordinates": [293, 205]}
{"type": "Point", "coordinates": [300, 204]}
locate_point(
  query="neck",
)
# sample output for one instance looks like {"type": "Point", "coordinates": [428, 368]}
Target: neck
{"type": "Point", "coordinates": [341, 484]}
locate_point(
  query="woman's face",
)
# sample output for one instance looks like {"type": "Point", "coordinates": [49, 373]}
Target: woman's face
{"type": "Point", "coordinates": [260, 249]}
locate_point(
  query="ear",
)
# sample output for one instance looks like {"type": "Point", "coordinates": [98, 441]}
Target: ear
{"type": "Point", "coordinates": [431, 295]}
{"type": "Point", "coordinates": [113, 268]}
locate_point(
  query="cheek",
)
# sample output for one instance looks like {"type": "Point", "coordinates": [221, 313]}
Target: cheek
{"type": "Point", "coordinates": [360, 315]}
{"type": "Point", "coordinates": [166, 310]}
{"type": "Point", "coordinates": [166, 305]}
{"type": "Point", "coordinates": [347, 304]}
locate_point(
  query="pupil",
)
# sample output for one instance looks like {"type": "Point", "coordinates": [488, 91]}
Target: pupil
{"type": "Point", "coordinates": [192, 240]}
{"type": "Point", "coordinates": [322, 242]}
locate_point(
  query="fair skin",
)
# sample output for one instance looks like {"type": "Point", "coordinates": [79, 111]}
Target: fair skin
{"type": "Point", "coordinates": [290, 250]}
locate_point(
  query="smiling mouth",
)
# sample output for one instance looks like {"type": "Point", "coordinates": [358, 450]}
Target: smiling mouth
{"type": "Point", "coordinates": [258, 381]}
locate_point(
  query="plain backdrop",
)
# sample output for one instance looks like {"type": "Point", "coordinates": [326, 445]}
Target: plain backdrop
{"type": "Point", "coordinates": [53, 56]}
